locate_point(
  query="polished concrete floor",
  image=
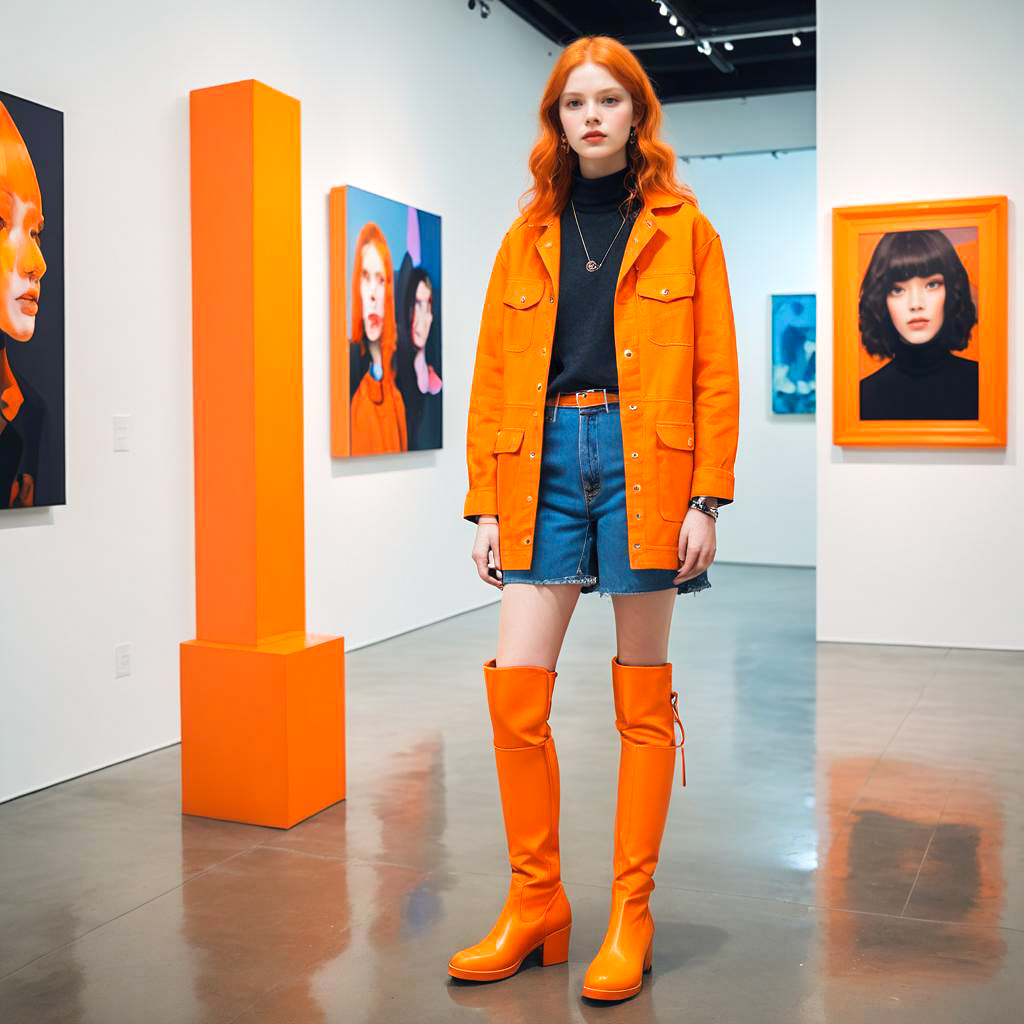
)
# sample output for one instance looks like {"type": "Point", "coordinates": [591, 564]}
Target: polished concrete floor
{"type": "Point", "coordinates": [849, 845]}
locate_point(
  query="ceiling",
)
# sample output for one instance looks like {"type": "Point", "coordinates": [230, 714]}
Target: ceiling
{"type": "Point", "coordinates": [763, 58]}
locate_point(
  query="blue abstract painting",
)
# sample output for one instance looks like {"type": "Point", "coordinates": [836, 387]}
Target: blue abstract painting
{"type": "Point", "coordinates": [793, 347]}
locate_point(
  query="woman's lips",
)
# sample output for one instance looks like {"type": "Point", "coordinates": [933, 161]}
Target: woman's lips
{"type": "Point", "coordinates": [917, 323]}
{"type": "Point", "coordinates": [373, 319]}
{"type": "Point", "coordinates": [29, 305]}
{"type": "Point", "coordinates": [594, 137]}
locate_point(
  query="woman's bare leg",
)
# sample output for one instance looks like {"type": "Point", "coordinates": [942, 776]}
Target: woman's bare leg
{"type": "Point", "coordinates": [534, 618]}
{"type": "Point", "coordinates": [642, 623]}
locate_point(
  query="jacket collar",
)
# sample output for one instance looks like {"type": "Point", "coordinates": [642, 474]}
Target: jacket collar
{"type": "Point", "coordinates": [654, 202]}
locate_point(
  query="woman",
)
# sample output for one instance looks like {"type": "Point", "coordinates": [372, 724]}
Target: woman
{"type": "Point", "coordinates": [377, 410]}
{"type": "Point", "coordinates": [916, 310]}
{"type": "Point", "coordinates": [418, 354]}
{"type": "Point", "coordinates": [21, 269]}
{"type": "Point", "coordinates": [605, 393]}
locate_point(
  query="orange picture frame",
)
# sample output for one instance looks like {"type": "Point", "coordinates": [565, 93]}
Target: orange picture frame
{"type": "Point", "coordinates": [975, 229]}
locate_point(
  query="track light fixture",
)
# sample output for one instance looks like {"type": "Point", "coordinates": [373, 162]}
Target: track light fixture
{"type": "Point", "coordinates": [485, 7]}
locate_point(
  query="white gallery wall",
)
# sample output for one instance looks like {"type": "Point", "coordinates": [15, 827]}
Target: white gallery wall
{"type": "Point", "coordinates": [920, 100]}
{"type": "Point", "coordinates": [762, 206]}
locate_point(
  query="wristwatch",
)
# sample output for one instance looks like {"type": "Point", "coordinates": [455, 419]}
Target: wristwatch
{"type": "Point", "coordinates": [700, 503]}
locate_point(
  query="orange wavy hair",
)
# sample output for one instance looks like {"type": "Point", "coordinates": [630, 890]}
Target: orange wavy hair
{"type": "Point", "coordinates": [372, 233]}
{"type": "Point", "coordinates": [651, 162]}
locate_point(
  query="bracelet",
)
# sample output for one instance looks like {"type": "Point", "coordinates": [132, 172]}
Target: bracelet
{"type": "Point", "coordinates": [698, 503]}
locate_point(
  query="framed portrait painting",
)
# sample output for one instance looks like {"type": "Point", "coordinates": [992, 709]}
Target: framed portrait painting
{"type": "Point", "coordinates": [32, 472]}
{"type": "Point", "coordinates": [386, 373]}
{"type": "Point", "coordinates": [920, 323]}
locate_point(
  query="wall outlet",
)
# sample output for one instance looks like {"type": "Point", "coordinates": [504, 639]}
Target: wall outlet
{"type": "Point", "coordinates": [120, 433]}
{"type": "Point", "coordinates": [122, 660]}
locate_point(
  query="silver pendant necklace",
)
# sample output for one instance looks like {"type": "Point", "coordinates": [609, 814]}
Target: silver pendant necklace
{"type": "Point", "coordinates": [591, 264]}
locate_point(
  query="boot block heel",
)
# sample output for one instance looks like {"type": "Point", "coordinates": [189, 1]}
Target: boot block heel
{"type": "Point", "coordinates": [649, 959]}
{"type": "Point", "coordinates": [556, 947]}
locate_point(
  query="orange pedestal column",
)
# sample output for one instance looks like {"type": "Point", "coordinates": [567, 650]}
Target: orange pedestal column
{"type": "Point", "coordinates": [262, 702]}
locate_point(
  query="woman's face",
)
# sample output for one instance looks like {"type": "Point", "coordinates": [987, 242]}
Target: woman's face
{"type": "Point", "coordinates": [422, 314]}
{"type": "Point", "coordinates": [373, 291]}
{"type": "Point", "coordinates": [21, 263]}
{"type": "Point", "coordinates": [917, 306]}
{"type": "Point", "coordinates": [596, 114]}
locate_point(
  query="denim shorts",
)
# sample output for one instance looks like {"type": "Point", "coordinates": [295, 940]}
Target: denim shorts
{"type": "Point", "coordinates": [580, 532]}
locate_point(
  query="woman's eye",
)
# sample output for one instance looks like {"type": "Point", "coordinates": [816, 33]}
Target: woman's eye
{"type": "Point", "coordinates": [614, 99]}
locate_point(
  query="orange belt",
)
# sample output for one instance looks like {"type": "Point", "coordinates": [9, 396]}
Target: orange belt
{"type": "Point", "coordinates": [594, 396]}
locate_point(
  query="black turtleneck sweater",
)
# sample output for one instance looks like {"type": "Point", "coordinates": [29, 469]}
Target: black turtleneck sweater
{"type": "Point", "coordinates": [921, 382]}
{"type": "Point", "coordinates": [583, 351]}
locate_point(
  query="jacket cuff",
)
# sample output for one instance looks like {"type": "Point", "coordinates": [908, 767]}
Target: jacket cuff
{"type": "Point", "coordinates": [480, 501]}
{"type": "Point", "coordinates": [717, 482]}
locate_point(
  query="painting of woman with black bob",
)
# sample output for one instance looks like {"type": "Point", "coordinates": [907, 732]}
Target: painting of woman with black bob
{"type": "Point", "coordinates": [419, 355]}
{"type": "Point", "coordinates": [916, 310]}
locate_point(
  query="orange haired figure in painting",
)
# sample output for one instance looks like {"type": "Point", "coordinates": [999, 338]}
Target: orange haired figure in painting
{"type": "Point", "coordinates": [21, 269]}
{"type": "Point", "coordinates": [602, 432]}
{"type": "Point", "coordinates": [377, 409]}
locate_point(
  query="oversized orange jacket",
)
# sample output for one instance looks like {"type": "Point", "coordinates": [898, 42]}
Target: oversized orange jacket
{"type": "Point", "coordinates": [675, 349]}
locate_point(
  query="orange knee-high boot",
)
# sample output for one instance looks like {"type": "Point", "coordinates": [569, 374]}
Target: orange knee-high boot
{"type": "Point", "coordinates": [536, 912]}
{"type": "Point", "coordinates": [645, 715]}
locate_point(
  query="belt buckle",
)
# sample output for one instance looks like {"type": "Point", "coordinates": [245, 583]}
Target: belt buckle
{"type": "Point", "coordinates": [578, 393]}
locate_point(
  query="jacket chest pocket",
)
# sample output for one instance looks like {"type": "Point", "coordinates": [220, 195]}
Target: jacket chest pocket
{"type": "Point", "coordinates": [675, 469]}
{"type": "Point", "coordinates": [666, 306]}
{"type": "Point", "coordinates": [521, 297]}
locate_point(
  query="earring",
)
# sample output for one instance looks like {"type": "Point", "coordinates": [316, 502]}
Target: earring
{"type": "Point", "coordinates": [632, 134]}
{"type": "Point", "coordinates": [564, 143]}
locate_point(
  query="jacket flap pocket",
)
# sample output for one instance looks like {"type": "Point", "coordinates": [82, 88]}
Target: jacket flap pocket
{"type": "Point", "coordinates": [523, 292]}
{"type": "Point", "coordinates": [666, 286]}
{"type": "Point", "coordinates": [508, 440]}
{"type": "Point", "coordinates": [676, 435]}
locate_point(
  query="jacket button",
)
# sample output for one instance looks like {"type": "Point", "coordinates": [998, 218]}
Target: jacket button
{"type": "Point", "coordinates": [522, 298]}
{"type": "Point", "coordinates": [636, 545]}
{"type": "Point", "coordinates": [632, 406]}
{"type": "Point", "coordinates": [664, 291]}
{"type": "Point", "coordinates": [539, 385]}
{"type": "Point", "coordinates": [639, 515]}
{"type": "Point", "coordinates": [529, 498]}
{"type": "Point", "coordinates": [526, 540]}
{"type": "Point", "coordinates": [533, 455]}
{"type": "Point", "coordinates": [635, 455]}
{"type": "Point", "coordinates": [689, 442]}
{"type": "Point", "coordinates": [547, 245]}
{"type": "Point", "coordinates": [544, 351]}
{"type": "Point", "coordinates": [551, 298]}
{"type": "Point", "coordinates": [636, 487]}
{"type": "Point", "coordinates": [628, 353]}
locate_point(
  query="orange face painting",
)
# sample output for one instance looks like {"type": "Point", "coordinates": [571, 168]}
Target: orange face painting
{"type": "Point", "coordinates": [21, 271]}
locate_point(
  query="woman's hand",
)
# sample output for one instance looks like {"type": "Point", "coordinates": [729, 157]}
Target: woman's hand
{"type": "Point", "coordinates": [487, 542]}
{"type": "Point", "coordinates": [696, 545]}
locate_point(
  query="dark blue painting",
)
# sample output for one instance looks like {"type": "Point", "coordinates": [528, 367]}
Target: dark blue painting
{"type": "Point", "coordinates": [793, 347]}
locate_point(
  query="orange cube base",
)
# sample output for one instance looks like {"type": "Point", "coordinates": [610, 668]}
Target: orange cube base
{"type": "Point", "coordinates": [263, 728]}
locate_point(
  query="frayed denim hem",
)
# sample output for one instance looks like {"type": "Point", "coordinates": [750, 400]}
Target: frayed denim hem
{"type": "Point", "coordinates": [691, 586]}
{"type": "Point", "coordinates": [586, 581]}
